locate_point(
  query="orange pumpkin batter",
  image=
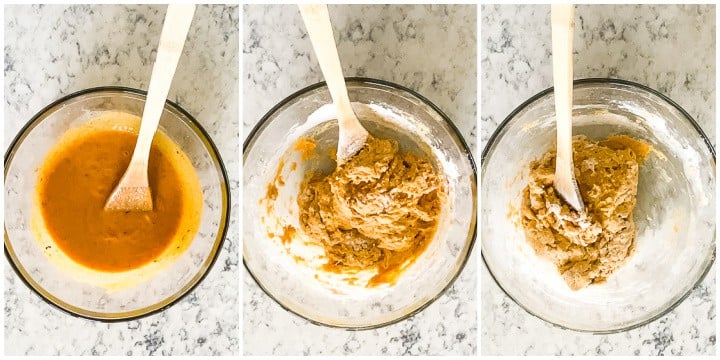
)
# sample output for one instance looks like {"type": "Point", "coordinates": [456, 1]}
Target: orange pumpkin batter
{"type": "Point", "coordinates": [76, 180]}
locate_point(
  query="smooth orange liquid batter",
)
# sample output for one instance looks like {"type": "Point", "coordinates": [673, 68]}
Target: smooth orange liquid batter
{"type": "Point", "coordinates": [74, 185]}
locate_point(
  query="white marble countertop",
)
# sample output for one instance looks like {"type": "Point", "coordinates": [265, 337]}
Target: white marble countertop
{"type": "Point", "coordinates": [430, 49]}
{"type": "Point", "coordinates": [52, 51]}
{"type": "Point", "coordinates": [668, 48]}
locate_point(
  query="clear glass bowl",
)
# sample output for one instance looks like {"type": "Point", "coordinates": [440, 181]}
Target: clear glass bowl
{"type": "Point", "coordinates": [146, 294]}
{"type": "Point", "coordinates": [301, 287]}
{"type": "Point", "coordinates": [675, 211]}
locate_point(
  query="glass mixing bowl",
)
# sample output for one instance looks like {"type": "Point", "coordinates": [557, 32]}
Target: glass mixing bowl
{"type": "Point", "coordinates": [143, 293]}
{"type": "Point", "coordinates": [300, 286]}
{"type": "Point", "coordinates": [675, 211]}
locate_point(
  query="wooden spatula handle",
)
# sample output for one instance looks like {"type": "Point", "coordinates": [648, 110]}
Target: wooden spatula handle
{"type": "Point", "coordinates": [172, 40]}
{"type": "Point", "coordinates": [562, 16]}
{"type": "Point", "coordinates": [317, 22]}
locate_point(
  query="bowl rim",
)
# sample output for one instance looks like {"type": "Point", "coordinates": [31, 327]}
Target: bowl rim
{"type": "Point", "coordinates": [602, 81]}
{"type": "Point", "coordinates": [183, 291]}
{"type": "Point", "coordinates": [261, 124]}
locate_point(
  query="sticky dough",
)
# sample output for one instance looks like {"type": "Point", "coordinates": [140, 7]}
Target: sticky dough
{"type": "Point", "coordinates": [586, 246]}
{"type": "Point", "coordinates": [377, 209]}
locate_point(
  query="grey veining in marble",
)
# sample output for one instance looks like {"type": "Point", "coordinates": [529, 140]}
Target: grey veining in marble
{"type": "Point", "coordinates": [666, 47]}
{"type": "Point", "coordinates": [430, 49]}
{"type": "Point", "coordinates": [52, 51]}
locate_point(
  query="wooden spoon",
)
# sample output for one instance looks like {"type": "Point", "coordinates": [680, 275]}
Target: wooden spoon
{"type": "Point", "coordinates": [133, 193]}
{"type": "Point", "coordinates": [562, 16]}
{"type": "Point", "coordinates": [352, 135]}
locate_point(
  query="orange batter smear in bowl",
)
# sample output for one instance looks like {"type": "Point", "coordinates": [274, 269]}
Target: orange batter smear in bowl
{"type": "Point", "coordinates": [306, 147]}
